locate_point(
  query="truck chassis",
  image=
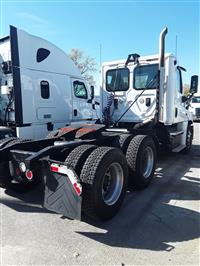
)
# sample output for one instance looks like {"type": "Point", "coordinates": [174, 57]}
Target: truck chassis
{"type": "Point", "coordinates": [85, 169]}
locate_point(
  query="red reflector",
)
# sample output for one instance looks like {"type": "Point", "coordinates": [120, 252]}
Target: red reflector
{"type": "Point", "coordinates": [77, 188]}
{"type": "Point", "coordinates": [29, 175]}
{"type": "Point", "coordinates": [54, 168]}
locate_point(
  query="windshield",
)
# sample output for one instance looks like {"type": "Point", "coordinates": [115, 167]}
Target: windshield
{"type": "Point", "coordinates": [145, 77]}
{"type": "Point", "coordinates": [117, 79]}
{"type": "Point", "coordinates": [196, 100]}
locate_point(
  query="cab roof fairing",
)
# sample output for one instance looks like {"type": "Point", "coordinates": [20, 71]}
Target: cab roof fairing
{"type": "Point", "coordinates": [143, 59]}
{"type": "Point", "coordinates": [57, 61]}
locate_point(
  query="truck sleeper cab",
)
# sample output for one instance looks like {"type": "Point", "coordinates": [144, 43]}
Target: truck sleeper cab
{"type": "Point", "coordinates": [41, 89]}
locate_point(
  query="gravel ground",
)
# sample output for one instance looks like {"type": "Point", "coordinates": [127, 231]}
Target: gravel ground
{"type": "Point", "coordinates": [157, 226]}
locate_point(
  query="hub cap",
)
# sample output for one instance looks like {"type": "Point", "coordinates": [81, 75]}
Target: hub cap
{"type": "Point", "coordinates": [147, 162]}
{"type": "Point", "coordinates": [112, 183]}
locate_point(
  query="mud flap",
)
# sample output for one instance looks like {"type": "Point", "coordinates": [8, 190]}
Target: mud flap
{"type": "Point", "coordinates": [61, 194]}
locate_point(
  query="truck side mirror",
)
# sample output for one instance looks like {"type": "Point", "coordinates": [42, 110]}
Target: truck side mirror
{"type": "Point", "coordinates": [92, 92]}
{"type": "Point", "coordinates": [194, 84]}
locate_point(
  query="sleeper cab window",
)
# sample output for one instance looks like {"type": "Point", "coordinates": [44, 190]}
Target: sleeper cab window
{"type": "Point", "coordinates": [80, 90]}
{"type": "Point", "coordinates": [42, 54]}
{"type": "Point", "coordinates": [44, 87]}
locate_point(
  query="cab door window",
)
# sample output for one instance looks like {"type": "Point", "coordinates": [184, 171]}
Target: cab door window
{"type": "Point", "coordinates": [80, 90]}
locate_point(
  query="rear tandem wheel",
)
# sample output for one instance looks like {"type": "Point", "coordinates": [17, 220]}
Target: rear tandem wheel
{"type": "Point", "coordinates": [104, 179]}
{"type": "Point", "coordinates": [78, 156]}
{"type": "Point", "coordinates": [122, 142]}
{"type": "Point", "coordinates": [141, 159]}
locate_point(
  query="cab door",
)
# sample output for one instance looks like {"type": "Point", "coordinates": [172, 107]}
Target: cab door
{"type": "Point", "coordinates": [82, 109]}
{"type": "Point", "coordinates": [144, 90]}
{"type": "Point", "coordinates": [134, 90]}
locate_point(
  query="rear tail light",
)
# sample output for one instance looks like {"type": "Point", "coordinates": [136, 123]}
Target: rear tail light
{"type": "Point", "coordinates": [29, 175]}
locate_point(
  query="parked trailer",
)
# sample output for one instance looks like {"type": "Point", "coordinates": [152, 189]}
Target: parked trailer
{"type": "Point", "coordinates": [86, 169]}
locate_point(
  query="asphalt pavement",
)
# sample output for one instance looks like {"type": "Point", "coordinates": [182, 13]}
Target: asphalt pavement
{"type": "Point", "coordinates": [157, 226]}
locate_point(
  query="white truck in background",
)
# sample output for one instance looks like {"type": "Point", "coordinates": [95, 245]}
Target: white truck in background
{"type": "Point", "coordinates": [41, 89]}
{"type": "Point", "coordinates": [195, 107]}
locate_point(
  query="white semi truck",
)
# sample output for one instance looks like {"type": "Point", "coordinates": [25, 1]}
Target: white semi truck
{"type": "Point", "coordinates": [86, 168]}
{"type": "Point", "coordinates": [195, 107]}
{"type": "Point", "coordinates": [41, 89]}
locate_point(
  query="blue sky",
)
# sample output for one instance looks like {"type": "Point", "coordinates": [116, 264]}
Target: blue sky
{"type": "Point", "coordinates": [121, 27]}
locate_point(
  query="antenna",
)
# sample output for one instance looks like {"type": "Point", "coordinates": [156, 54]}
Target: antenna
{"type": "Point", "coordinates": [100, 56]}
{"type": "Point", "coordinates": [176, 46]}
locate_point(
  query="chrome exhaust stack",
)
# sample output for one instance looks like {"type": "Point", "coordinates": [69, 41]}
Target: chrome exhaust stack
{"type": "Point", "coordinates": [162, 47]}
{"type": "Point", "coordinates": [161, 77]}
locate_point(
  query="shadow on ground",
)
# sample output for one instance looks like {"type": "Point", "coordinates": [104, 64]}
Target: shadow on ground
{"type": "Point", "coordinates": [25, 202]}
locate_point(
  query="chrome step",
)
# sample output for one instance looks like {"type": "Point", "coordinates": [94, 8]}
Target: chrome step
{"type": "Point", "coordinates": [179, 148]}
{"type": "Point", "coordinates": [176, 133]}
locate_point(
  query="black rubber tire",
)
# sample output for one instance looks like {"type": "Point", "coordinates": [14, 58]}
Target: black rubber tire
{"type": "Point", "coordinates": [15, 141]}
{"type": "Point", "coordinates": [134, 157]}
{"type": "Point", "coordinates": [78, 156]}
{"type": "Point", "coordinates": [5, 177]}
{"type": "Point", "coordinates": [4, 142]}
{"type": "Point", "coordinates": [122, 142]}
{"type": "Point", "coordinates": [92, 177]}
{"type": "Point", "coordinates": [189, 138]}
{"type": "Point", "coordinates": [6, 181]}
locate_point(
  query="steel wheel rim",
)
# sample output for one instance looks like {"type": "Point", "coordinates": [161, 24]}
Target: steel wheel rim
{"type": "Point", "coordinates": [147, 162]}
{"type": "Point", "coordinates": [112, 184]}
{"type": "Point", "coordinates": [189, 139]}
